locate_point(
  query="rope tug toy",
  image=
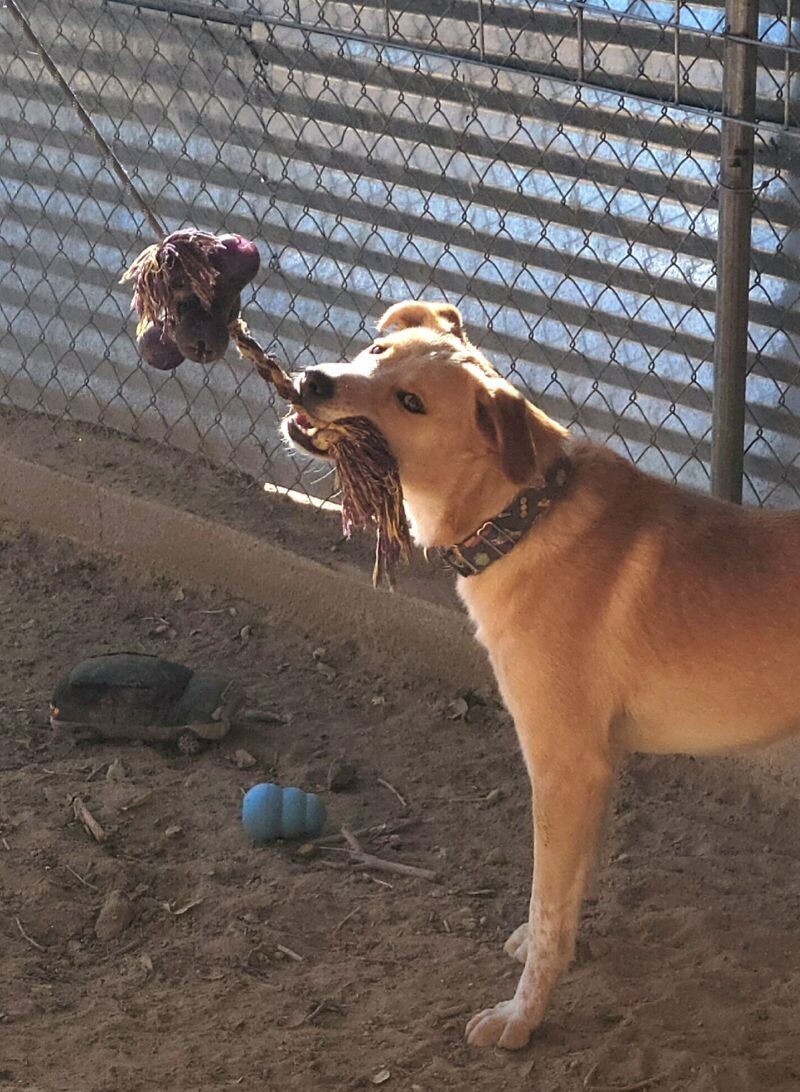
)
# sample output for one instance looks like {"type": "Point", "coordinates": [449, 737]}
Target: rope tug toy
{"type": "Point", "coordinates": [187, 293]}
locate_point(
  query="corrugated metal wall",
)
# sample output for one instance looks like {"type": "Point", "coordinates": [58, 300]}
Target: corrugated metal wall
{"type": "Point", "coordinates": [479, 156]}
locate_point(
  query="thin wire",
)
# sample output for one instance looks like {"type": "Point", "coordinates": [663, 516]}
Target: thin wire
{"type": "Point", "coordinates": [677, 51]}
{"type": "Point", "coordinates": [787, 83]}
{"type": "Point", "coordinates": [86, 120]}
{"type": "Point", "coordinates": [581, 43]}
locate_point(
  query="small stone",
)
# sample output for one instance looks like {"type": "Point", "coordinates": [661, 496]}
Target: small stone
{"type": "Point", "coordinates": [245, 633]}
{"type": "Point", "coordinates": [306, 851]}
{"type": "Point", "coordinates": [341, 775]}
{"type": "Point", "coordinates": [116, 771]}
{"type": "Point", "coordinates": [496, 856]}
{"type": "Point", "coordinates": [326, 671]}
{"type": "Point", "coordinates": [457, 710]}
{"type": "Point", "coordinates": [114, 918]}
{"type": "Point", "coordinates": [173, 831]}
{"type": "Point", "coordinates": [493, 796]}
{"type": "Point", "coordinates": [381, 1077]}
{"type": "Point", "coordinates": [243, 760]}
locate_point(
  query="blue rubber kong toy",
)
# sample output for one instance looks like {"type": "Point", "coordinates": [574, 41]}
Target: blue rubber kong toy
{"type": "Point", "coordinates": [270, 812]}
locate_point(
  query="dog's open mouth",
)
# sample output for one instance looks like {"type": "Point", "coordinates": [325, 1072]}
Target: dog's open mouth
{"type": "Point", "coordinates": [309, 437]}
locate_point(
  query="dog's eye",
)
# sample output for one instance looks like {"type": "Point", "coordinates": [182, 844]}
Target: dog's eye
{"type": "Point", "coordinates": [410, 402]}
{"type": "Point", "coordinates": [376, 350]}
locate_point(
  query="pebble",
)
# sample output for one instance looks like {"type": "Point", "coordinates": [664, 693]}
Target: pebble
{"type": "Point", "coordinates": [116, 771]}
{"type": "Point", "coordinates": [496, 856]}
{"type": "Point", "coordinates": [114, 918]}
{"type": "Point", "coordinates": [243, 760]}
{"type": "Point", "coordinates": [457, 710]}
{"type": "Point", "coordinates": [306, 851]}
{"type": "Point", "coordinates": [341, 775]}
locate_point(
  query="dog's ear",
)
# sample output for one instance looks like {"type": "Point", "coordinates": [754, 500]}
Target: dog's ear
{"type": "Point", "coordinates": [436, 316]}
{"type": "Point", "coordinates": [503, 416]}
{"type": "Point", "coordinates": [525, 438]}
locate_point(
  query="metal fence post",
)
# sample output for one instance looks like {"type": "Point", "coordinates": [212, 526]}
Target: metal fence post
{"type": "Point", "coordinates": [733, 250]}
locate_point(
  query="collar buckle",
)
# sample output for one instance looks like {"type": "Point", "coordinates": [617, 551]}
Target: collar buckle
{"type": "Point", "coordinates": [454, 557]}
{"type": "Point", "coordinates": [497, 536]}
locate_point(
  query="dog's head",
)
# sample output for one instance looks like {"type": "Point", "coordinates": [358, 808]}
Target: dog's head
{"type": "Point", "coordinates": [464, 439]}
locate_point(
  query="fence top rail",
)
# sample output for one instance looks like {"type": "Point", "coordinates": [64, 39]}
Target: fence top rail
{"type": "Point", "coordinates": [581, 32]}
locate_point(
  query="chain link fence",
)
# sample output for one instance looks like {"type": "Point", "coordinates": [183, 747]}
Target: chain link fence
{"type": "Point", "coordinates": [549, 166]}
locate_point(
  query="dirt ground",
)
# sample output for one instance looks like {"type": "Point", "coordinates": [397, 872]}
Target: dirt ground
{"type": "Point", "coordinates": [258, 968]}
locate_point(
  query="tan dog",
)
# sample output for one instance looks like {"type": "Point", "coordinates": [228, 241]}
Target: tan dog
{"type": "Point", "coordinates": [632, 615]}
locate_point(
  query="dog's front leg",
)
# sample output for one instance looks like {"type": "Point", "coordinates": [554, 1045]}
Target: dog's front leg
{"type": "Point", "coordinates": [571, 780]}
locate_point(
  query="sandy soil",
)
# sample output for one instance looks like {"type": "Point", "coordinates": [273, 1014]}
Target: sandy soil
{"type": "Point", "coordinates": [689, 969]}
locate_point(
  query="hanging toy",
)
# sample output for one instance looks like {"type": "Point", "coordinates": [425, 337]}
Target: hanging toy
{"type": "Point", "coordinates": [187, 293]}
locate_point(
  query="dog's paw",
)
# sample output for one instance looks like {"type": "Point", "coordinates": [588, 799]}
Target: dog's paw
{"type": "Point", "coordinates": [517, 944]}
{"type": "Point", "coordinates": [505, 1025]}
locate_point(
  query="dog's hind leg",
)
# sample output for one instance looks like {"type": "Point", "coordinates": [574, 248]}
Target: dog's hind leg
{"type": "Point", "coordinates": [571, 778]}
{"type": "Point", "coordinates": [517, 944]}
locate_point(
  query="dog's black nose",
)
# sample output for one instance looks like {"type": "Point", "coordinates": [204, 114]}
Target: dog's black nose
{"type": "Point", "coordinates": [316, 386]}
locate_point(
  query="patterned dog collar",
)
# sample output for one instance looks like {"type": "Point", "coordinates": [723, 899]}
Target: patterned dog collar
{"type": "Point", "coordinates": [498, 536]}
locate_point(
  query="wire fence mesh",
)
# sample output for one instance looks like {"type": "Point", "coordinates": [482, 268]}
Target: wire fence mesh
{"type": "Point", "coordinates": [549, 166]}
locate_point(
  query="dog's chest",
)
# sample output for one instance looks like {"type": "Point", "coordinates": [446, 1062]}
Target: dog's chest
{"type": "Point", "coordinates": [492, 603]}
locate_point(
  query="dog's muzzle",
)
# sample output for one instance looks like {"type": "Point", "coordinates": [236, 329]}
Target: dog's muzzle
{"type": "Point", "coordinates": [316, 387]}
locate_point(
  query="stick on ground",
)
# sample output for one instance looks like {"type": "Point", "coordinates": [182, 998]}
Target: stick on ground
{"type": "Point", "coordinates": [363, 860]}
{"type": "Point", "coordinates": [391, 826]}
{"type": "Point", "coordinates": [392, 789]}
{"type": "Point", "coordinates": [82, 813]}
{"type": "Point", "coordinates": [85, 882]}
{"type": "Point", "coordinates": [345, 919]}
{"type": "Point", "coordinates": [30, 940]}
{"type": "Point", "coordinates": [636, 1086]}
{"type": "Point", "coordinates": [290, 952]}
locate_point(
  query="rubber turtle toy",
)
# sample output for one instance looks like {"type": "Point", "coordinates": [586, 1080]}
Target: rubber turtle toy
{"type": "Point", "coordinates": [128, 696]}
